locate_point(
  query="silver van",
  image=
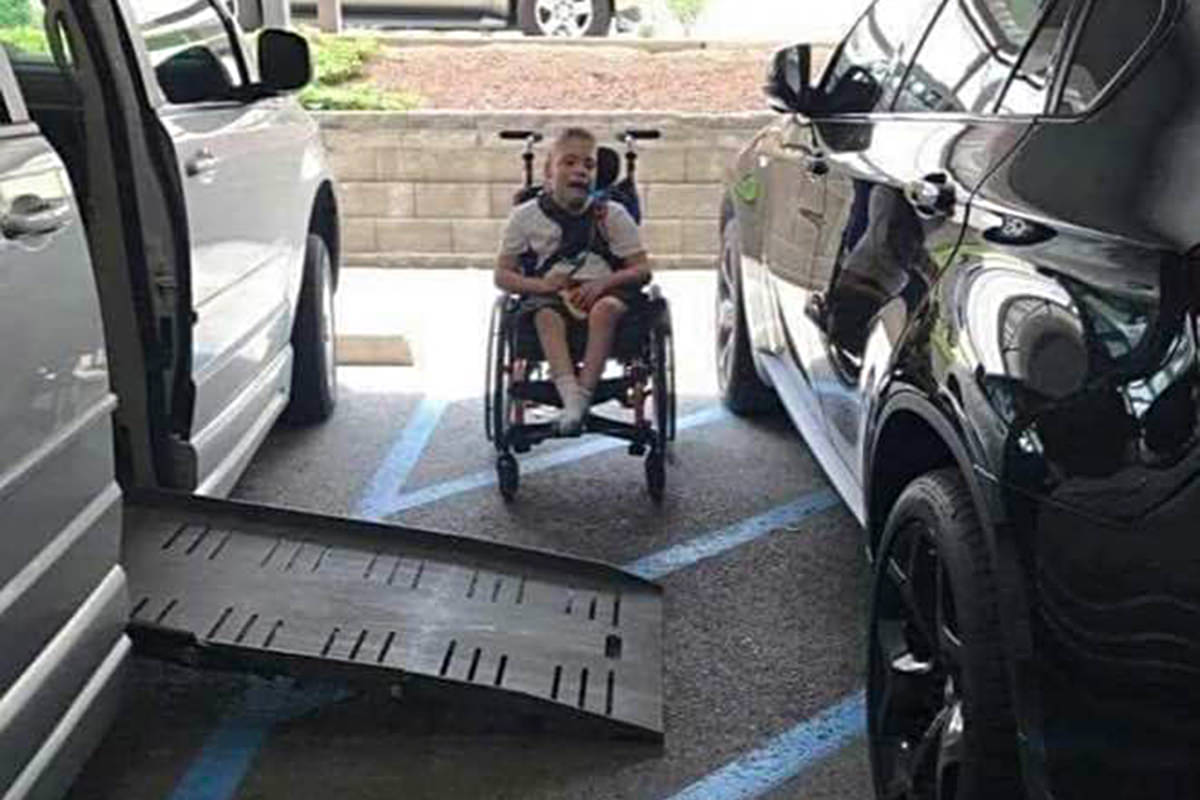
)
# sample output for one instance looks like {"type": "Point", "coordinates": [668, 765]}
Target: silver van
{"type": "Point", "coordinates": [168, 255]}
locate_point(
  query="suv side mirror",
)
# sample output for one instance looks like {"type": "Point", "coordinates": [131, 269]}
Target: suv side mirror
{"type": "Point", "coordinates": [787, 87]}
{"type": "Point", "coordinates": [284, 63]}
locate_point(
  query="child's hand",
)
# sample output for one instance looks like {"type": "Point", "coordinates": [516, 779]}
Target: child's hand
{"type": "Point", "coordinates": [588, 293]}
{"type": "Point", "coordinates": [554, 282]}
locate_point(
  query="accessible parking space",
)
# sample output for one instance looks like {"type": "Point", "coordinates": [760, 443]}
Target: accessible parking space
{"type": "Point", "coordinates": [764, 582]}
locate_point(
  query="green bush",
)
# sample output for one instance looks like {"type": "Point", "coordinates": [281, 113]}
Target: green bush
{"type": "Point", "coordinates": [24, 39]}
{"type": "Point", "coordinates": [338, 59]}
{"type": "Point", "coordinates": [686, 11]}
{"type": "Point", "coordinates": [356, 97]}
{"type": "Point", "coordinates": [14, 12]}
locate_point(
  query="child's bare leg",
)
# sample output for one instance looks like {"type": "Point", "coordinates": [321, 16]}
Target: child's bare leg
{"type": "Point", "coordinates": [552, 333]}
{"type": "Point", "coordinates": [602, 326]}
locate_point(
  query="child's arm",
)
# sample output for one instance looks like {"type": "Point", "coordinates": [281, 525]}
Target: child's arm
{"type": "Point", "coordinates": [508, 277]}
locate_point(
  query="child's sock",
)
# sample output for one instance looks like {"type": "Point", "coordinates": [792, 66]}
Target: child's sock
{"type": "Point", "coordinates": [576, 400]}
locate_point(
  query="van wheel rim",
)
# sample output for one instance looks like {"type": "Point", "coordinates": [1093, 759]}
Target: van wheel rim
{"type": "Point", "coordinates": [915, 704]}
{"type": "Point", "coordinates": [568, 18]}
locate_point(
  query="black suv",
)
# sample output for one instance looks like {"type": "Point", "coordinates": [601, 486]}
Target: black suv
{"type": "Point", "coordinates": [962, 260]}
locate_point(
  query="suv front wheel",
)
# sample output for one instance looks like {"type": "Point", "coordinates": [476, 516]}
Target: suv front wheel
{"type": "Point", "coordinates": [939, 714]}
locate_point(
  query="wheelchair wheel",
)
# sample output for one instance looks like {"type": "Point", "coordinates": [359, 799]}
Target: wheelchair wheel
{"type": "Point", "coordinates": [663, 398]}
{"type": "Point", "coordinates": [508, 476]}
{"type": "Point", "coordinates": [656, 475]}
{"type": "Point", "coordinates": [496, 395]}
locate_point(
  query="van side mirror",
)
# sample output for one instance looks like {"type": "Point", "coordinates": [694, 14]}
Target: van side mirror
{"type": "Point", "coordinates": [284, 63]}
{"type": "Point", "coordinates": [787, 87]}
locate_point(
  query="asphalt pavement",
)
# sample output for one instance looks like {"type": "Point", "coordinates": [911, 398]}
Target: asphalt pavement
{"type": "Point", "coordinates": [763, 572]}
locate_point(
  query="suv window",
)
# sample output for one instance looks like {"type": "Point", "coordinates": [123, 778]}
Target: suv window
{"type": "Point", "coordinates": [863, 72]}
{"type": "Point", "coordinates": [968, 54]}
{"type": "Point", "coordinates": [1113, 32]}
{"type": "Point", "coordinates": [1029, 88]}
{"type": "Point", "coordinates": [190, 49]}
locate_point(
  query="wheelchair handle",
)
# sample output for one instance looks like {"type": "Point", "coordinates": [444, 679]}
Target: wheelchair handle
{"type": "Point", "coordinates": [642, 133]}
{"type": "Point", "coordinates": [530, 137]}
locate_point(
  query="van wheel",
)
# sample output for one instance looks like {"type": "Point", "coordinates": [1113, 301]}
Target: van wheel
{"type": "Point", "coordinates": [314, 343]}
{"type": "Point", "coordinates": [571, 19]}
{"type": "Point", "coordinates": [939, 715]}
{"type": "Point", "coordinates": [742, 391]}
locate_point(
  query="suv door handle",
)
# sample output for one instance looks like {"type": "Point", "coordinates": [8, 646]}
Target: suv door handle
{"type": "Point", "coordinates": [31, 215]}
{"type": "Point", "coordinates": [931, 196]}
{"type": "Point", "coordinates": [817, 166]}
{"type": "Point", "coordinates": [203, 163]}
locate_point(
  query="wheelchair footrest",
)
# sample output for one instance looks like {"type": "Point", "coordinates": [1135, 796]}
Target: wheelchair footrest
{"type": "Point", "coordinates": [545, 393]}
{"type": "Point", "coordinates": [522, 437]}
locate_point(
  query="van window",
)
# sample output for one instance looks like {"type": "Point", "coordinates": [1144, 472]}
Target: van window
{"type": "Point", "coordinates": [1029, 88]}
{"type": "Point", "coordinates": [1112, 34]}
{"type": "Point", "coordinates": [190, 49]}
{"type": "Point", "coordinates": [968, 55]}
{"type": "Point", "coordinates": [863, 73]}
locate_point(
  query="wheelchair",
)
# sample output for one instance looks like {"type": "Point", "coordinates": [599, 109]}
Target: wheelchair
{"type": "Point", "coordinates": [518, 385]}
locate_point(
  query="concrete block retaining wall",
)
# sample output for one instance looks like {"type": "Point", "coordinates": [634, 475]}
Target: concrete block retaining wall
{"type": "Point", "coordinates": [432, 189]}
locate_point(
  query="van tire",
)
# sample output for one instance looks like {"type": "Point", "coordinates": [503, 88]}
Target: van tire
{"type": "Point", "coordinates": [314, 341]}
{"type": "Point", "coordinates": [527, 19]}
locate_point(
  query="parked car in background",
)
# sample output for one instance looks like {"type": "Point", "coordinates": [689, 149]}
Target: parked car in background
{"type": "Point", "coordinates": [963, 260]}
{"type": "Point", "coordinates": [565, 18]}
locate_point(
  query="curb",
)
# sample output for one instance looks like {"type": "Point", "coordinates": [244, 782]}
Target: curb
{"type": "Point", "coordinates": [398, 39]}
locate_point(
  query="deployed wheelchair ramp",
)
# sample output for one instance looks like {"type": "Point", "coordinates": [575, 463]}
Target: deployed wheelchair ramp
{"type": "Point", "coordinates": [229, 584]}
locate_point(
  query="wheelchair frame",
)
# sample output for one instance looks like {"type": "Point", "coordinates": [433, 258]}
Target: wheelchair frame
{"type": "Point", "coordinates": [515, 384]}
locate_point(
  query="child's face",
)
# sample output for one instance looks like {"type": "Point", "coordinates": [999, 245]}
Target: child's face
{"type": "Point", "coordinates": [571, 170]}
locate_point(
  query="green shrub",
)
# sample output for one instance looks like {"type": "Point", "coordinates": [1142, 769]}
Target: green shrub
{"type": "Point", "coordinates": [14, 12]}
{"type": "Point", "coordinates": [24, 39]}
{"type": "Point", "coordinates": [686, 11]}
{"type": "Point", "coordinates": [356, 97]}
{"type": "Point", "coordinates": [338, 59]}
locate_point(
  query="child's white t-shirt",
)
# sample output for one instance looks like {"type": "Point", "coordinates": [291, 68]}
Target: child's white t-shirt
{"type": "Point", "coordinates": [528, 228]}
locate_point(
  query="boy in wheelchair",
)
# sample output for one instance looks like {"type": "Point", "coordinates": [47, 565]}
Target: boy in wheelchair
{"type": "Point", "coordinates": [574, 260]}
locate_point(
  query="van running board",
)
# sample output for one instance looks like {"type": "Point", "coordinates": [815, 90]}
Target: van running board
{"type": "Point", "coordinates": [232, 585]}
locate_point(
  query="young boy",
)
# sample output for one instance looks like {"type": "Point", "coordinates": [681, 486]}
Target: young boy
{"type": "Point", "coordinates": [585, 262]}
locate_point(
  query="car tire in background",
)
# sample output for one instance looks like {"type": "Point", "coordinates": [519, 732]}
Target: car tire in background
{"type": "Point", "coordinates": [314, 343]}
{"type": "Point", "coordinates": [939, 712]}
{"type": "Point", "coordinates": [742, 390]}
{"type": "Point", "coordinates": [566, 18]}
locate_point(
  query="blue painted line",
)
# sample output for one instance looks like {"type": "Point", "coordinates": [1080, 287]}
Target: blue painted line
{"type": "Point", "coordinates": [389, 478]}
{"type": "Point", "coordinates": [683, 555]}
{"type": "Point", "coordinates": [228, 752]}
{"type": "Point", "coordinates": [477, 480]}
{"type": "Point", "coordinates": [784, 757]}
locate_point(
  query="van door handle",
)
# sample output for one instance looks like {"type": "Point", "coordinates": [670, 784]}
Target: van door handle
{"type": "Point", "coordinates": [203, 163]}
{"type": "Point", "coordinates": [817, 166]}
{"type": "Point", "coordinates": [931, 196]}
{"type": "Point", "coordinates": [31, 215]}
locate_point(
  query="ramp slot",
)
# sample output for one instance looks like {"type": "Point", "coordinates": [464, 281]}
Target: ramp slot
{"type": "Point", "coordinates": [320, 559]}
{"type": "Point", "coordinates": [570, 599]}
{"type": "Point", "coordinates": [521, 591]}
{"type": "Point", "coordinates": [171, 539]}
{"type": "Point", "coordinates": [329, 642]}
{"type": "Point", "coordinates": [500, 670]}
{"type": "Point", "coordinates": [592, 609]}
{"type": "Point", "coordinates": [271, 553]}
{"type": "Point", "coordinates": [395, 569]}
{"type": "Point", "coordinates": [220, 545]}
{"type": "Point", "coordinates": [474, 581]}
{"type": "Point", "coordinates": [387, 645]}
{"type": "Point", "coordinates": [295, 555]}
{"type": "Point", "coordinates": [138, 608]}
{"type": "Point", "coordinates": [617, 610]}
{"type": "Point", "coordinates": [217, 625]}
{"type": "Point", "coordinates": [167, 610]}
{"type": "Point", "coordinates": [449, 655]}
{"type": "Point", "coordinates": [196, 542]}
{"type": "Point", "coordinates": [370, 566]}
{"type": "Point", "coordinates": [474, 665]}
{"type": "Point", "coordinates": [496, 589]}
{"type": "Point", "coordinates": [358, 644]}
{"type": "Point", "coordinates": [420, 572]}
{"type": "Point", "coordinates": [271, 634]}
{"type": "Point", "coordinates": [608, 698]}
{"type": "Point", "coordinates": [583, 676]}
{"type": "Point", "coordinates": [612, 646]}
{"type": "Point", "coordinates": [246, 629]}
{"type": "Point", "coordinates": [557, 681]}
